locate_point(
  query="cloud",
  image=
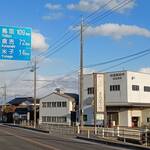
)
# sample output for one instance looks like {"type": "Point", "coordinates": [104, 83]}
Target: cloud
{"type": "Point", "coordinates": [53, 6]}
{"type": "Point", "coordinates": [145, 70]}
{"type": "Point", "coordinates": [93, 5]}
{"type": "Point", "coordinates": [53, 16]}
{"type": "Point", "coordinates": [39, 42]}
{"type": "Point", "coordinates": [116, 31]}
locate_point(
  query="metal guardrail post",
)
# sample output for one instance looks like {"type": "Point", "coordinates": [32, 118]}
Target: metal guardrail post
{"type": "Point", "coordinates": [88, 134]}
{"type": "Point", "coordinates": [103, 132]}
{"type": "Point", "coordinates": [118, 132]}
{"type": "Point", "coordinates": [146, 137]}
{"type": "Point", "coordinates": [49, 129]}
{"type": "Point", "coordinates": [78, 129]}
{"type": "Point", "coordinates": [95, 130]}
{"type": "Point", "coordinates": [113, 132]}
{"type": "Point", "coordinates": [124, 138]}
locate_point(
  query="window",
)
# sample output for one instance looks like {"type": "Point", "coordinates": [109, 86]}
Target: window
{"type": "Point", "coordinates": [58, 104]}
{"type": "Point", "coordinates": [146, 88]}
{"type": "Point", "coordinates": [63, 119]}
{"type": "Point", "coordinates": [53, 119]}
{"type": "Point", "coordinates": [148, 120]}
{"type": "Point", "coordinates": [114, 87]}
{"type": "Point", "coordinates": [43, 118]}
{"type": "Point", "coordinates": [59, 119]}
{"type": "Point", "coordinates": [53, 104]}
{"type": "Point", "coordinates": [90, 90]}
{"type": "Point", "coordinates": [84, 117]}
{"type": "Point", "coordinates": [49, 119]}
{"type": "Point", "coordinates": [43, 104]}
{"type": "Point", "coordinates": [64, 104]}
{"type": "Point", "coordinates": [135, 87]}
{"type": "Point", "coordinates": [49, 104]}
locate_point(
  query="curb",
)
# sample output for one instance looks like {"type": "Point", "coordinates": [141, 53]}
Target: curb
{"type": "Point", "coordinates": [114, 143]}
{"type": "Point", "coordinates": [33, 129]}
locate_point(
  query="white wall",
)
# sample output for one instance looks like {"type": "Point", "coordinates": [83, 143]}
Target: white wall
{"type": "Point", "coordinates": [96, 81]}
{"type": "Point", "coordinates": [56, 111]}
{"type": "Point", "coordinates": [141, 79]}
{"type": "Point", "coordinates": [88, 99]}
{"type": "Point", "coordinates": [116, 97]}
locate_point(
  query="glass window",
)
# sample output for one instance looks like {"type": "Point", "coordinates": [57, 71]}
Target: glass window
{"type": "Point", "coordinates": [49, 104]}
{"type": "Point", "coordinates": [90, 90]}
{"type": "Point", "coordinates": [135, 87]}
{"type": "Point", "coordinates": [64, 119]}
{"type": "Point", "coordinates": [53, 119]}
{"type": "Point", "coordinates": [84, 117]}
{"type": "Point", "coordinates": [49, 119]}
{"type": "Point", "coordinates": [146, 88]}
{"type": "Point", "coordinates": [148, 120]}
{"type": "Point", "coordinates": [43, 104]}
{"type": "Point", "coordinates": [53, 104]}
{"type": "Point", "coordinates": [114, 87]}
{"type": "Point", "coordinates": [64, 104]}
{"type": "Point", "coordinates": [58, 104]}
{"type": "Point", "coordinates": [43, 118]}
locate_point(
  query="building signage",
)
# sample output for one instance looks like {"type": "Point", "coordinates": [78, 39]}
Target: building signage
{"type": "Point", "coordinates": [15, 43]}
{"type": "Point", "coordinates": [117, 76]}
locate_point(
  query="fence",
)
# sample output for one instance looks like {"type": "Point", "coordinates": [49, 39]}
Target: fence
{"type": "Point", "coordinates": [136, 136]}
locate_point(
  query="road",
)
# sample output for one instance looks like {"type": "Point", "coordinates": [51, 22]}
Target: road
{"type": "Point", "coordinates": [21, 139]}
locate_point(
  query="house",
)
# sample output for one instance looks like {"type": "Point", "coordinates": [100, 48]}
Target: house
{"type": "Point", "coordinates": [121, 97]}
{"type": "Point", "coordinates": [20, 109]}
{"type": "Point", "coordinates": [59, 108]}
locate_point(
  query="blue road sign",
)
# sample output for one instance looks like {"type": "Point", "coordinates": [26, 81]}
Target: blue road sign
{"type": "Point", "coordinates": [15, 43]}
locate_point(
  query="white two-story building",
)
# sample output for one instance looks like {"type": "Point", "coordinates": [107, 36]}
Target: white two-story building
{"type": "Point", "coordinates": [59, 108]}
{"type": "Point", "coordinates": [125, 96]}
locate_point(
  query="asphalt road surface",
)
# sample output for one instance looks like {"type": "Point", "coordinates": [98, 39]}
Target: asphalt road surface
{"type": "Point", "coordinates": [21, 139]}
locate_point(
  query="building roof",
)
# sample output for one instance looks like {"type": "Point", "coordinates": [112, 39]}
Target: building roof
{"type": "Point", "coordinates": [66, 95]}
{"type": "Point", "coordinates": [73, 95]}
{"type": "Point", "coordinates": [19, 100]}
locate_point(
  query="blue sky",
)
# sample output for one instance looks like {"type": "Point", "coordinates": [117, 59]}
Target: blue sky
{"type": "Point", "coordinates": [124, 32]}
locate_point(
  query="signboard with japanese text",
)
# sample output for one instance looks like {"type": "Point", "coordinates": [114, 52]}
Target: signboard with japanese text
{"type": "Point", "coordinates": [15, 43]}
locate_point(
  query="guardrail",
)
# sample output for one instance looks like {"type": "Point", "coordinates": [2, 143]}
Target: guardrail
{"type": "Point", "coordinates": [137, 136]}
{"type": "Point", "coordinates": [124, 134]}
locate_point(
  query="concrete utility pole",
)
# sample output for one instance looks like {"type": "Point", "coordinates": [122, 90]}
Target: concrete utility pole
{"type": "Point", "coordinates": [4, 95]}
{"type": "Point", "coordinates": [34, 69]}
{"type": "Point", "coordinates": [81, 73]}
{"type": "Point", "coordinates": [95, 98]}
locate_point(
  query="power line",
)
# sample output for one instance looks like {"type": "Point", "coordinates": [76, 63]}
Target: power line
{"type": "Point", "coordinates": [127, 61]}
{"type": "Point", "coordinates": [138, 55]}
{"type": "Point", "coordinates": [109, 12]}
{"type": "Point", "coordinates": [16, 69]}
{"type": "Point", "coordinates": [117, 59]}
{"type": "Point", "coordinates": [72, 37]}
{"type": "Point", "coordinates": [68, 31]}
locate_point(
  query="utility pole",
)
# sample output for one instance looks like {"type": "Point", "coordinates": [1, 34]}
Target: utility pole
{"type": "Point", "coordinates": [95, 98]}
{"type": "Point", "coordinates": [34, 69]}
{"type": "Point", "coordinates": [81, 73]}
{"type": "Point", "coordinates": [5, 96]}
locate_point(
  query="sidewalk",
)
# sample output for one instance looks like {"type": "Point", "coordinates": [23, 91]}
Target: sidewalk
{"type": "Point", "coordinates": [113, 142]}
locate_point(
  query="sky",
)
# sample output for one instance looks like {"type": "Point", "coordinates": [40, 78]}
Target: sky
{"type": "Point", "coordinates": [123, 32]}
